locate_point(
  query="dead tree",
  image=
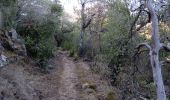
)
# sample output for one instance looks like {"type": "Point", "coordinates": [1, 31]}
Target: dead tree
{"type": "Point", "coordinates": [155, 48]}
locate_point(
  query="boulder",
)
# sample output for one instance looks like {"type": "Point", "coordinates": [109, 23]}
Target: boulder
{"type": "Point", "coordinates": [10, 41]}
{"type": "Point", "coordinates": [3, 58]}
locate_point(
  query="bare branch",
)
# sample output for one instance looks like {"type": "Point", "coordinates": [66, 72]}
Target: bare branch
{"type": "Point", "coordinates": [86, 1]}
{"type": "Point", "coordinates": [144, 23]}
{"type": "Point", "coordinates": [166, 48]}
{"type": "Point", "coordinates": [131, 32]}
{"type": "Point", "coordinates": [143, 45]}
{"type": "Point", "coordinates": [85, 25]}
{"type": "Point", "coordinates": [133, 24]}
{"type": "Point", "coordinates": [139, 51]}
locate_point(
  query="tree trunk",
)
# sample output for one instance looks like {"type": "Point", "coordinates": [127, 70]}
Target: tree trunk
{"type": "Point", "coordinates": [157, 75]}
{"type": "Point", "coordinates": [154, 53]}
{"type": "Point", "coordinates": [82, 30]}
{"type": "Point", "coordinates": [81, 42]}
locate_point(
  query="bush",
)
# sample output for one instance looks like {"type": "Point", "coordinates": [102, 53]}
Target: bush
{"type": "Point", "coordinates": [39, 40]}
{"type": "Point", "coordinates": [70, 38]}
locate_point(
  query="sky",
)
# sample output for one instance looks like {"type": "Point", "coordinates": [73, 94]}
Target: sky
{"type": "Point", "coordinates": [69, 6]}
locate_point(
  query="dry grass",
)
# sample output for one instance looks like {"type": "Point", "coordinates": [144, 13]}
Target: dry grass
{"type": "Point", "coordinates": [102, 86]}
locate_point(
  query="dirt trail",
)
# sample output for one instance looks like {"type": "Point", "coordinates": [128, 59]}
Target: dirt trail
{"type": "Point", "coordinates": [68, 80]}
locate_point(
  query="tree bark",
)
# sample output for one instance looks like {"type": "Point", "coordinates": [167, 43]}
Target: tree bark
{"type": "Point", "coordinates": [84, 24]}
{"type": "Point", "coordinates": [82, 30]}
{"type": "Point", "coordinates": [154, 53]}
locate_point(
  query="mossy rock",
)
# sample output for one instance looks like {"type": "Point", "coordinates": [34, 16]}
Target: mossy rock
{"type": "Point", "coordinates": [112, 96]}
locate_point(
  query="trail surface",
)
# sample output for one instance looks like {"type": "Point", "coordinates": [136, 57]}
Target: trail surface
{"type": "Point", "coordinates": [67, 80]}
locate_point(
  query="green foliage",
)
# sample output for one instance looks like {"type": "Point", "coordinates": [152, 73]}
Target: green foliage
{"type": "Point", "coordinates": [39, 36]}
{"type": "Point", "coordinates": [115, 41]}
{"type": "Point", "coordinates": [39, 40]}
{"type": "Point", "coordinates": [7, 2]}
{"type": "Point", "coordinates": [55, 8]}
{"type": "Point", "coordinates": [70, 46]}
{"type": "Point", "coordinates": [9, 11]}
{"type": "Point", "coordinates": [70, 42]}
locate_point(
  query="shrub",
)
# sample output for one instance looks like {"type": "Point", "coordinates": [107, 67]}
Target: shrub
{"type": "Point", "coordinates": [39, 40]}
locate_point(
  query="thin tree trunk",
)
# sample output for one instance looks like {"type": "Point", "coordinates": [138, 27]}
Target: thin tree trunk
{"type": "Point", "coordinates": [82, 30]}
{"type": "Point", "coordinates": [154, 53]}
{"type": "Point", "coordinates": [81, 42]}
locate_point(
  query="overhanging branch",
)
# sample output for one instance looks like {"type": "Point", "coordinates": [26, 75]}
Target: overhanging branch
{"type": "Point", "coordinates": [165, 47]}
{"type": "Point", "coordinates": [133, 24]}
{"type": "Point", "coordinates": [131, 32]}
{"type": "Point", "coordinates": [143, 45]}
{"type": "Point", "coordinates": [144, 23]}
{"type": "Point", "coordinates": [139, 51]}
{"type": "Point", "coordinates": [85, 25]}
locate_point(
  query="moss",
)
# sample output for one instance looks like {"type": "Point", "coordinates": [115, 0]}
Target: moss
{"type": "Point", "coordinates": [151, 86]}
{"type": "Point", "coordinates": [112, 96]}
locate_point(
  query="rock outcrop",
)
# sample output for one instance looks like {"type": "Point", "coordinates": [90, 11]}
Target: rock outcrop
{"type": "Point", "coordinates": [11, 41]}
{"type": "Point", "coordinates": [3, 60]}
